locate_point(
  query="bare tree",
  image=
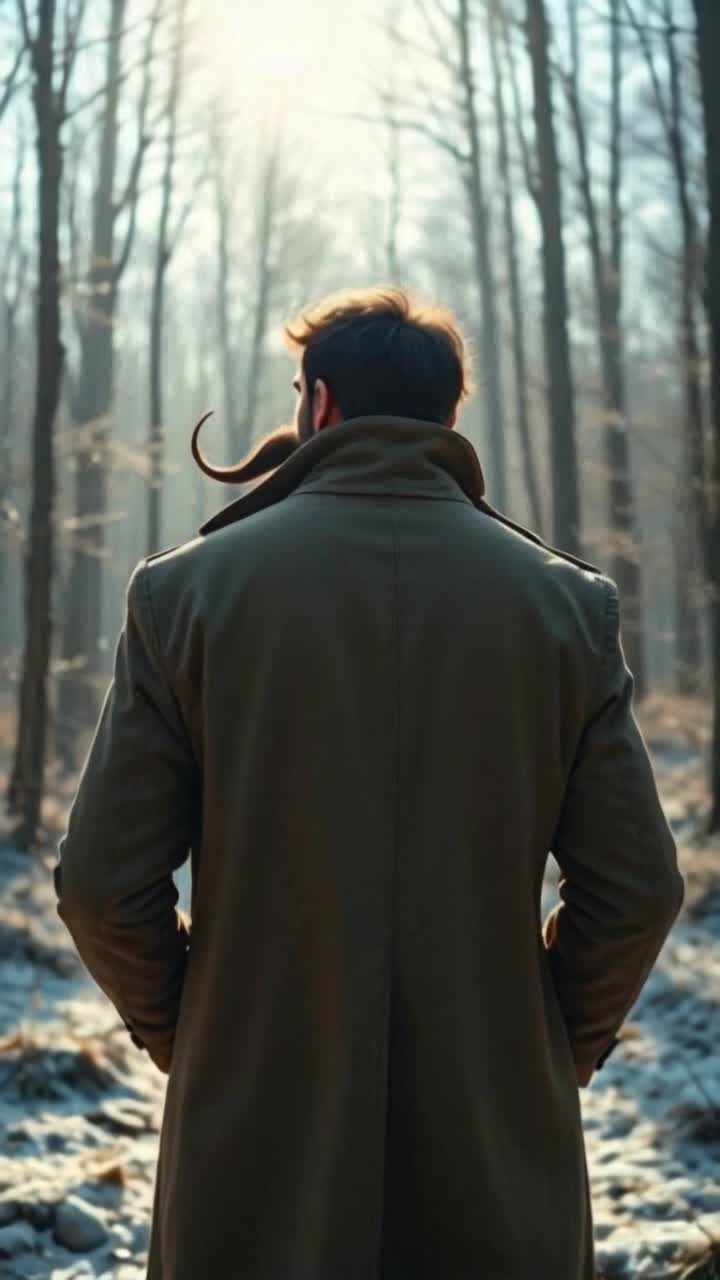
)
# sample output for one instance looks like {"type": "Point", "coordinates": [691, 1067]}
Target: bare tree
{"type": "Point", "coordinates": [519, 345]}
{"type": "Point", "coordinates": [566, 493]}
{"type": "Point", "coordinates": [93, 389]}
{"type": "Point", "coordinates": [166, 243]}
{"type": "Point", "coordinates": [264, 252]}
{"type": "Point", "coordinates": [51, 72]}
{"type": "Point", "coordinates": [606, 253]}
{"type": "Point", "coordinates": [223, 192]}
{"type": "Point", "coordinates": [450, 33]}
{"type": "Point", "coordinates": [691, 517]}
{"type": "Point", "coordinates": [12, 291]}
{"type": "Point", "coordinates": [481, 237]}
{"type": "Point", "coordinates": [10, 83]}
{"type": "Point", "coordinates": [708, 42]}
{"type": "Point", "coordinates": [394, 151]}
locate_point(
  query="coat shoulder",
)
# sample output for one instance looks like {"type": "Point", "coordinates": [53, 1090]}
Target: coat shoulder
{"type": "Point", "coordinates": [553, 564]}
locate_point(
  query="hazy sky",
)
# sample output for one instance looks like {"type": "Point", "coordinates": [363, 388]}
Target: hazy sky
{"type": "Point", "coordinates": [314, 61]}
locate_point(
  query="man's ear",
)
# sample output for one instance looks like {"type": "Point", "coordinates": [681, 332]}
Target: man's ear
{"type": "Point", "coordinates": [321, 405]}
{"type": "Point", "coordinates": [453, 418]}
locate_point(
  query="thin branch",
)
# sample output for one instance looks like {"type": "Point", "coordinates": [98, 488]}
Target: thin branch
{"type": "Point", "coordinates": [607, 20]}
{"type": "Point", "coordinates": [430, 22]}
{"type": "Point", "coordinates": [531, 180]}
{"type": "Point", "coordinates": [9, 84]}
{"type": "Point", "coordinates": [646, 48]}
{"type": "Point", "coordinates": [188, 205]}
{"type": "Point", "coordinates": [413, 126]}
{"type": "Point", "coordinates": [124, 75]}
{"type": "Point", "coordinates": [124, 31]}
{"type": "Point", "coordinates": [25, 24]}
{"type": "Point", "coordinates": [131, 194]}
{"type": "Point", "coordinates": [74, 24]}
{"type": "Point", "coordinates": [407, 44]}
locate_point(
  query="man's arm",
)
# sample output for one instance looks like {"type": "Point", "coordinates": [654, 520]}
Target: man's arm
{"type": "Point", "coordinates": [131, 825]}
{"type": "Point", "coordinates": [620, 886]}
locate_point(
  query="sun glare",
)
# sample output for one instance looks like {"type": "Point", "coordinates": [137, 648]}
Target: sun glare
{"type": "Point", "coordinates": [280, 54]}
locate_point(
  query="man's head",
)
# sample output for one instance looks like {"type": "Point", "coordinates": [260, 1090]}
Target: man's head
{"type": "Point", "coordinates": [377, 351]}
{"type": "Point", "coordinates": [366, 352]}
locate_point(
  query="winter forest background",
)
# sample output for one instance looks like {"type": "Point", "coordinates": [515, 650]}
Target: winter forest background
{"type": "Point", "coordinates": [177, 179]}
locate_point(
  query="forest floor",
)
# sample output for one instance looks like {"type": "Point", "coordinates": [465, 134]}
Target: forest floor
{"type": "Point", "coordinates": [80, 1107]}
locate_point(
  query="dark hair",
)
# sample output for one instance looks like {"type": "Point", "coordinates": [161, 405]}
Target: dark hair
{"type": "Point", "coordinates": [382, 351]}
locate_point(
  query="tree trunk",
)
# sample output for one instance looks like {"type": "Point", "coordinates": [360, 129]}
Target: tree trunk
{"type": "Point", "coordinates": [688, 320]}
{"type": "Point", "coordinates": [268, 199]}
{"type": "Point", "coordinates": [516, 304]}
{"type": "Point", "coordinates": [162, 258]}
{"type": "Point", "coordinates": [155, 431]}
{"type": "Point", "coordinates": [708, 40]}
{"type": "Point", "coordinates": [690, 677]}
{"type": "Point", "coordinates": [692, 552]}
{"type": "Point", "coordinates": [11, 295]}
{"type": "Point", "coordinates": [480, 228]}
{"type": "Point", "coordinates": [232, 432]}
{"type": "Point", "coordinates": [79, 688]}
{"type": "Point", "coordinates": [566, 496]}
{"type": "Point", "coordinates": [688, 602]}
{"type": "Point", "coordinates": [394, 149]}
{"type": "Point", "coordinates": [607, 285]}
{"type": "Point", "coordinates": [26, 789]}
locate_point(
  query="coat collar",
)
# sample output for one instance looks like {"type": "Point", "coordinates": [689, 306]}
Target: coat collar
{"type": "Point", "coordinates": [369, 455]}
{"type": "Point", "coordinates": [379, 455]}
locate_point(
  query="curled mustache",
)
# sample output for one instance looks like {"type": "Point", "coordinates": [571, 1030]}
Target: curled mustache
{"type": "Point", "coordinates": [266, 456]}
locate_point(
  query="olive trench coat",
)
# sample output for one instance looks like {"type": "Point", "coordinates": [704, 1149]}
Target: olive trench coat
{"type": "Point", "coordinates": [369, 707]}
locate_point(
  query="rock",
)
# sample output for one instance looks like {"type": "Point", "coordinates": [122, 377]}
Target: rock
{"type": "Point", "coordinates": [121, 1237]}
{"type": "Point", "coordinates": [78, 1271]}
{"type": "Point", "coordinates": [18, 1238]}
{"type": "Point", "coordinates": [39, 1213]}
{"type": "Point", "coordinates": [122, 1117]}
{"type": "Point", "coordinates": [705, 1201]}
{"type": "Point", "coordinates": [705, 1269]}
{"type": "Point", "coordinates": [612, 1263]}
{"type": "Point", "coordinates": [17, 1133]}
{"type": "Point", "coordinates": [9, 1212]}
{"type": "Point", "coordinates": [78, 1226]}
{"type": "Point", "coordinates": [141, 1237]}
{"type": "Point", "coordinates": [603, 1227]}
{"type": "Point", "coordinates": [618, 1125]}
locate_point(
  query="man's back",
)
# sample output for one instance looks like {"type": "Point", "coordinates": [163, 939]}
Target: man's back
{"type": "Point", "coordinates": [382, 708]}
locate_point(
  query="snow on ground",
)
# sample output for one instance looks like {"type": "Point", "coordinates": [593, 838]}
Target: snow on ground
{"type": "Point", "coordinates": [80, 1106]}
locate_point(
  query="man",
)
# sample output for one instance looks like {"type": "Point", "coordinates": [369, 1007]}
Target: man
{"type": "Point", "coordinates": [369, 706]}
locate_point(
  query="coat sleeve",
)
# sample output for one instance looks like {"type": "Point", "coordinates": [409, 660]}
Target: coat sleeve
{"type": "Point", "coordinates": [130, 826]}
{"type": "Point", "coordinates": [620, 887]}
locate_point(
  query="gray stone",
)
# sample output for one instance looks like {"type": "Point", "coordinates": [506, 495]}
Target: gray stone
{"type": "Point", "coordinates": [612, 1262]}
{"type": "Point", "coordinates": [141, 1237]}
{"type": "Point", "coordinates": [9, 1211]}
{"type": "Point", "coordinates": [78, 1226]}
{"type": "Point", "coordinates": [603, 1227]}
{"type": "Point", "coordinates": [706, 1201]}
{"type": "Point", "coordinates": [17, 1238]}
{"type": "Point", "coordinates": [78, 1271]}
{"type": "Point", "coordinates": [618, 1125]}
{"type": "Point", "coordinates": [39, 1213]}
{"type": "Point", "coordinates": [120, 1235]}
